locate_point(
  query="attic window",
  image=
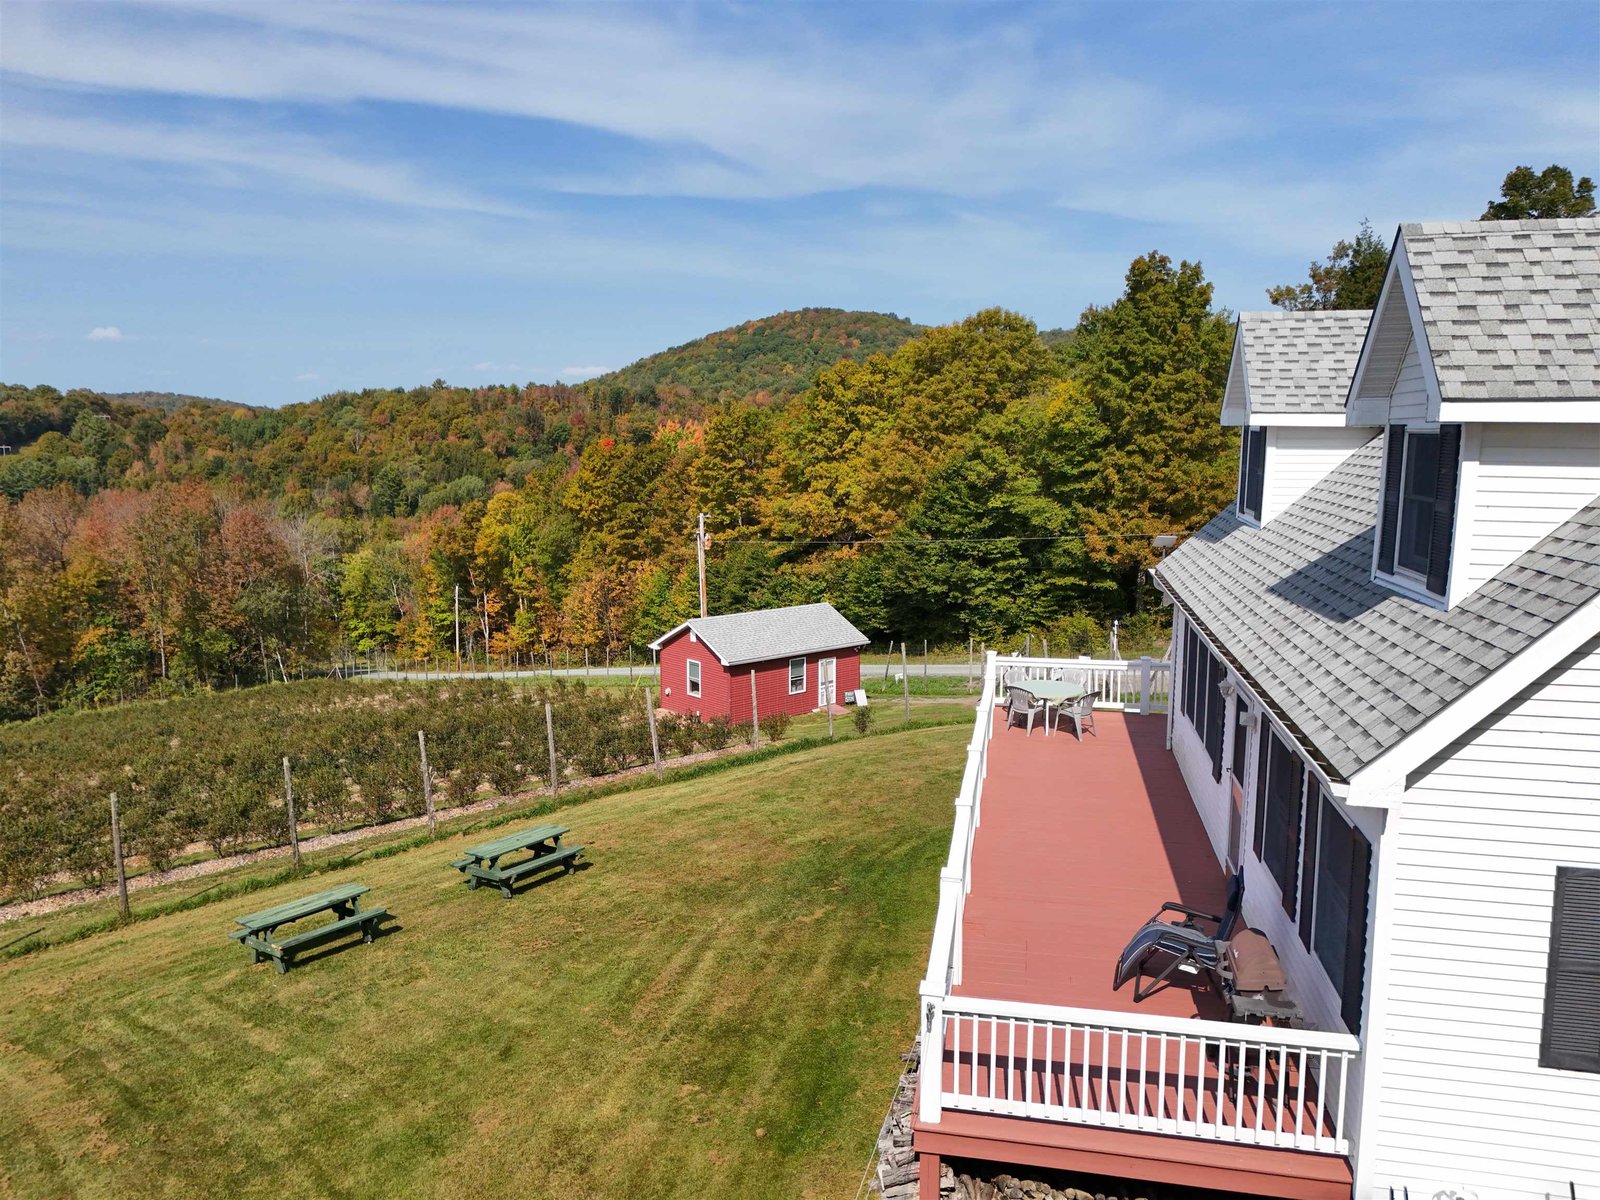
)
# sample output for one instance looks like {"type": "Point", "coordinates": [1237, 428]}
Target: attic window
{"type": "Point", "coordinates": [1252, 471]}
{"type": "Point", "coordinates": [1419, 505]}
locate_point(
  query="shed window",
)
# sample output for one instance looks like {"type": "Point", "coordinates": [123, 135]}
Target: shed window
{"type": "Point", "coordinates": [1252, 471]}
{"type": "Point", "coordinates": [693, 681]}
{"type": "Point", "coordinates": [1280, 780]}
{"type": "Point", "coordinates": [1419, 504]}
{"type": "Point", "coordinates": [797, 675]}
{"type": "Point", "coordinates": [1570, 1039]}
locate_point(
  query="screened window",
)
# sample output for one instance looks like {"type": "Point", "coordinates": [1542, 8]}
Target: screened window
{"type": "Point", "coordinates": [1203, 704]}
{"type": "Point", "coordinates": [1419, 504]}
{"type": "Point", "coordinates": [1280, 780]}
{"type": "Point", "coordinates": [1252, 471]}
{"type": "Point", "coordinates": [1570, 1039]}
{"type": "Point", "coordinates": [694, 677]}
{"type": "Point", "coordinates": [797, 675]}
{"type": "Point", "coordinates": [1333, 912]}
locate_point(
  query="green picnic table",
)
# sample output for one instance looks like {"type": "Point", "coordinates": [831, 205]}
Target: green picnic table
{"type": "Point", "coordinates": [543, 842]}
{"type": "Point", "coordinates": [259, 929]}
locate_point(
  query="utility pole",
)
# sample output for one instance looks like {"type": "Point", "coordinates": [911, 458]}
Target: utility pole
{"type": "Point", "coordinates": [700, 554]}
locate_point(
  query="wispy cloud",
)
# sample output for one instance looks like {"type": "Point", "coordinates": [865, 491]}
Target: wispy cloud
{"type": "Point", "coordinates": [106, 333]}
{"type": "Point", "coordinates": [576, 374]}
{"type": "Point", "coordinates": [307, 377]}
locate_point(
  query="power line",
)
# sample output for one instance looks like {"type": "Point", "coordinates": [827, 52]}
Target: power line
{"type": "Point", "coordinates": [875, 541]}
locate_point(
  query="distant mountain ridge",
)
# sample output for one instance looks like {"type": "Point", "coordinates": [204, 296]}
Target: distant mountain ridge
{"type": "Point", "coordinates": [770, 358]}
{"type": "Point", "coordinates": [168, 402]}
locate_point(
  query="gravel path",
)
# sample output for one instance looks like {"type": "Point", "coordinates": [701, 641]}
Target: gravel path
{"type": "Point", "coordinates": [23, 909]}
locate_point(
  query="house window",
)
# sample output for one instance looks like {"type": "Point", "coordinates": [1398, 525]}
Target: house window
{"type": "Point", "coordinates": [1419, 504]}
{"type": "Point", "coordinates": [1570, 1039]}
{"type": "Point", "coordinates": [797, 675]}
{"type": "Point", "coordinates": [1252, 471]}
{"type": "Point", "coordinates": [693, 681]}
{"type": "Point", "coordinates": [1280, 781]}
{"type": "Point", "coordinates": [1203, 704]}
{"type": "Point", "coordinates": [1333, 912]}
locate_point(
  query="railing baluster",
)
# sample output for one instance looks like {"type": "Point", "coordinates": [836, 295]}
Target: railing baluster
{"type": "Point", "coordinates": [1011, 1060]}
{"type": "Point", "coordinates": [1122, 1079]}
{"type": "Point", "coordinates": [1300, 1101]}
{"type": "Point", "coordinates": [1183, 1054]}
{"type": "Point", "coordinates": [1027, 1079]}
{"type": "Point", "coordinates": [1344, 1080]}
{"type": "Point", "coordinates": [1144, 1053]}
{"type": "Point", "coordinates": [1283, 1081]}
{"type": "Point", "coordinates": [1322, 1098]}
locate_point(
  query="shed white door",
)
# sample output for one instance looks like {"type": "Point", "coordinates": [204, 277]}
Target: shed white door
{"type": "Point", "coordinates": [825, 682]}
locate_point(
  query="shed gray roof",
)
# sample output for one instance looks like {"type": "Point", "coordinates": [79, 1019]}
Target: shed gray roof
{"type": "Point", "coordinates": [748, 637]}
{"type": "Point", "coordinates": [1301, 362]}
{"type": "Point", "coordinates": [1509, 306]}
{"type": "Point", "coordinates": [1348, 665]}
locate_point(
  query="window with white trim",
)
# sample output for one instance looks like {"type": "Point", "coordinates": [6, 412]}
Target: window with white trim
{"type": "Point", "coordinates": [1335, 893]}
{"type": "Point", "coordinates": [1419, 505]}
{"type": "Point", "coordinates": [797, 675]}
{"type": "Point", "coordinates": [1280, 786]}
{"type": "Point", "coordinates": [692, 682]}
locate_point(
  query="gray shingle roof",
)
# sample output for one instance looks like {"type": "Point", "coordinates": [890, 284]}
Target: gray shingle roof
{"type": "Point", "coordinates": [748, 637]}
{"type": "Point", "coordinates": [1510, 306]}
{"type": "Point", "coordinates": [1301, 362]}
{"type": "Point", "coordinates": [1350, 666]}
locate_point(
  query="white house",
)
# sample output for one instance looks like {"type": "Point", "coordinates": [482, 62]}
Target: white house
{"type": "Point", "coordinates": [1413, 647]}
{"type": "Point", "coordinates": [1385, 710]}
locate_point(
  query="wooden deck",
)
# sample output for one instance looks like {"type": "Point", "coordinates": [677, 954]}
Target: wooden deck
{"type": "Point", "coordinates": [1079, 843]}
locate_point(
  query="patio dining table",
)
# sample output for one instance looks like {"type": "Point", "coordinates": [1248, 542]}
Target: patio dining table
{"type": "Point", "coordinates": [1055, 693]}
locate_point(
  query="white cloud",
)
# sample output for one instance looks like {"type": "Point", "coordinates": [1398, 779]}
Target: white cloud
{"type": "Point", "coordinates": [577, 374]}
{"type": "Point", "coordinates": [106, 333]}
{"type": "Point", "coordinates": [307, 377]}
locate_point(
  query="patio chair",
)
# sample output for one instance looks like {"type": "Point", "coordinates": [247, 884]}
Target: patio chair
{"type": "Point", "coordinates": [1180, 946]}
{"type": "Point", "coordinates": [1081, 713]}
{"type": "Point", "coordinates": [1023, 706]}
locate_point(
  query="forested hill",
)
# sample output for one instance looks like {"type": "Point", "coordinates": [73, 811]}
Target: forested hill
{"type": "Point", "coordinates": [165, 401]}
{"type": "Point", "coordinates": [975, 480]}
{"type": "Point", "coordinates": [774, 357]}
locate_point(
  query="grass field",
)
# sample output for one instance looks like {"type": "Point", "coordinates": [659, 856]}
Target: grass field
{"type": "Point", "coordinates": [713, 1008]}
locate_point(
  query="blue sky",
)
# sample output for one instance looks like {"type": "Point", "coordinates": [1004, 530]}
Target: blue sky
{"type": "Point", "coordinates": [269, 202]}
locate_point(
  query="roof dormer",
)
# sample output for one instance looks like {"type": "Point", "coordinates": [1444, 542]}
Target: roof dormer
{"type": "Point", "coordinates": [1287, 385]}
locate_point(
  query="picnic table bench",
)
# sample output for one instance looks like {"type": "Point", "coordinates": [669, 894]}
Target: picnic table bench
{"type": "Point", "coordinates": [259, 929]}
{"type": "Point", "coordinates": [482, 863]}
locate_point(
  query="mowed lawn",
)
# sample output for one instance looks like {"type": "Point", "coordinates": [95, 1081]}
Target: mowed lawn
{"type": "Point", "coordinates": [715, 1007]}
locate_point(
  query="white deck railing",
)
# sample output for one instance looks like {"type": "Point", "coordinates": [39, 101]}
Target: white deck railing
{"type": "Point", "coordinates": [1213, 1080]}
{"type": "Point", "coordinates": [1139, 685]}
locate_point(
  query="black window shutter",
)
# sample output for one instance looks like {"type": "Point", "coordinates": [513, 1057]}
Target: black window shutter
{"type": "Point", "coordinates": [1244, 470]}
{"type": "Point", "coordinates": [1259, 839]}
{"type": "Point", "coordinates": [1390, 523]}
{"type": "Point", "coordinates": [1444, 509]}
{"type": "Point", "coordinates": [1292, 835]}
{"type": "Point", "coordinates": [1258, 471]}
{"type": "Point", "coordinates": [1571, 1036]}
{"type": "Point", "coordinates": [1355, 944]}
{"type": "Point", "coordinates": [1308, 872]}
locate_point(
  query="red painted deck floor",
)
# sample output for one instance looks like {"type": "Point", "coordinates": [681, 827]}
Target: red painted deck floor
{"type": "Point", "coordinates": [1079, 844]}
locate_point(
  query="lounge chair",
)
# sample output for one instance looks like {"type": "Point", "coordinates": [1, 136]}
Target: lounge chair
{"type": "Point", "coordinates": [1023, 706]}
{"type": "Point", "coordinates": [1184, 946]}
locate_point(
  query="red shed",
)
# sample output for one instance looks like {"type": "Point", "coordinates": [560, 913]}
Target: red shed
{"type": "Point", "coordinates": [801, 658]}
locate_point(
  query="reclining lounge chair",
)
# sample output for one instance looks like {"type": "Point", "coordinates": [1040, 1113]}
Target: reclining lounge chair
{"type": "Point", "coordinates": [1179, 946]}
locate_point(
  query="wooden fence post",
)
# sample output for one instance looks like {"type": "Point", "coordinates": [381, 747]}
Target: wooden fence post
{"type": "Point", "coordinates": [655, 742]}
{"type": "Point", "coordinates": [116, 854]}
{"type": "Point", "coordinates": [829, 707]}
{"type": "Point", "coordinates": [427, 782]}
{"type": "Point", "coordinates": [924, 664]}
{"type": "Point", "coordinates": [288, 802]}
{"type": "Point", "coordinates": [755, 717]}
{"type": "Point", "coordinates": [550, 737]}
{"type": "Point", "coordinates": [969, 662]}
{"type": "Point", "coordinates": [905, 680]}
{"type": "Point", "coordinates": [1045, 643]}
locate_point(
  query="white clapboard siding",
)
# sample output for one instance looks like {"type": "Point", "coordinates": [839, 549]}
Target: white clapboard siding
{"type": "Point", "coordinates": [1522, 481]}
{"type": "Point", "coordinates": [1299, 456]}
{"type": "Point", "coordinates": [1409, 400]}
{"type": "Point", "coordinates": [1463, 1102]}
